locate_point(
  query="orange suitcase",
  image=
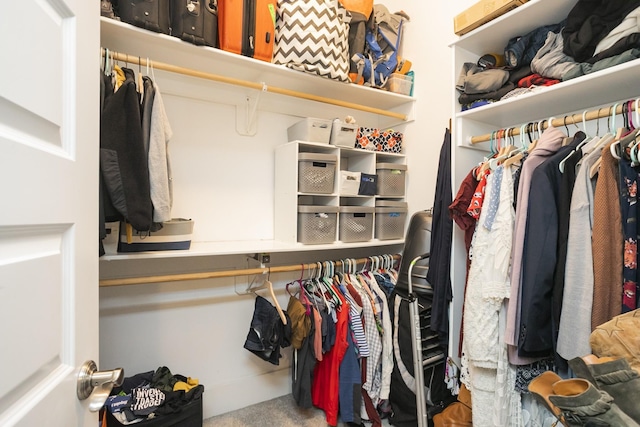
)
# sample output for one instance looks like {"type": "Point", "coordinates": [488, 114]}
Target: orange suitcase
{"type": "Point", "coordinates": [247, 27]}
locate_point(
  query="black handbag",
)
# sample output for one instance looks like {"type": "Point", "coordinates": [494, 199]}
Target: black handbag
{"type": "Point", "coordinates": [151, 15]}
{"type": "Point", "coordinates": [195, 21]}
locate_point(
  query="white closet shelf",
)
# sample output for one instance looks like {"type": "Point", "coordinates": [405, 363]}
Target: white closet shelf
{"type": "Point", "coordinates": [605, 86]}
{"type": "Point", "coordinates": [128, 39]}
{"type": "Point", "coordinates": [585, 92]}
{"type": "Point", "coordinates": [202, 249]}
{"type": "Point", "coordinates": [494, 35]}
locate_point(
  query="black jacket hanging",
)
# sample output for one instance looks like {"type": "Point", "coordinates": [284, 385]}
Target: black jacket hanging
{"type": "Point", "coordinates": [441, 234]}
{"type": "Point", "coordinates": [123, 160]}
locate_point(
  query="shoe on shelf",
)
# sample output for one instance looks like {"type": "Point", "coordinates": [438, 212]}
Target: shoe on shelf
{"type": "Point", "coordinates": [613, 375]}
{"type": "Point", "coordinates": [582, 403]}
{"type": "Point", "coordinates": [541, 387]}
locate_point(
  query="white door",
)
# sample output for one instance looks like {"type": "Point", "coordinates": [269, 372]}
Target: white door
{"type": "Point", "coordinates": [49, 130]}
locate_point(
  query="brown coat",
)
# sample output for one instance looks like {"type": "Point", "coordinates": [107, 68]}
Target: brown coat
{"type": "Point", "coordinates": [607, 243]}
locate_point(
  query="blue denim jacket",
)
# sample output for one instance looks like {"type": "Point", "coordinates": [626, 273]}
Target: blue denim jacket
{"type": "Point", "coordinates": [520, 50]}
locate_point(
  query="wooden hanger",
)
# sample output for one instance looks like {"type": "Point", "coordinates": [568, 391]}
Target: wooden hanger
{"type": "Point", "coordinates": [268, 285]}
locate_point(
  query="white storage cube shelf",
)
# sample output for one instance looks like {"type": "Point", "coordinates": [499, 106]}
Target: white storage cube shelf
{"type": "Point", "coordinates": [317, 200]}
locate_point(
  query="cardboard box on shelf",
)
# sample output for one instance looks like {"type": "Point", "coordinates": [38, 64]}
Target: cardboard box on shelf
{"type": "Point", "coordinates": [481, 13]}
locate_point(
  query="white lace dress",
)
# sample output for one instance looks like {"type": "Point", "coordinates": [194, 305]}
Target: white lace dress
{"type": "Point", "coordinates": [486, 371]}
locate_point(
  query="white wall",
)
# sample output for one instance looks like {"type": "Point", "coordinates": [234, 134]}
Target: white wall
{"type": "Point", "coordinates": [224, 181]}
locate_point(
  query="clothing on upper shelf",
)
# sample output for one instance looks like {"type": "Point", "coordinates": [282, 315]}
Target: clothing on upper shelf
{"type": "Point", "coordinates": [590, 21]}
{"type": "Point", "coordinates": [629, 25]}
{"type": "Point", "coordinates": [520, 50]}
{"type": "Point", "coordinates": [550, 61]}
{"type": "Point", "coordinates": [135, 171]}
{"type": "Point", "coordinates": [587, 68]}
{"type": "Point", "coordinates": [594, 36]}
{"type": "Point", "coordinates": [124, 163]}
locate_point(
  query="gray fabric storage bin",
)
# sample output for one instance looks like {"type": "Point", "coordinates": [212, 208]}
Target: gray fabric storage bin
{"type": "Point", "coordinates": [355, 223]}
{"type": "Point", "coordinates": [390, 219]}
{"type": "Point", "coordinates": [317, 224]}
{"type": "Point", "coordinates": [316, 172]}
{"type": "Point", "coordinates": [391, 179]}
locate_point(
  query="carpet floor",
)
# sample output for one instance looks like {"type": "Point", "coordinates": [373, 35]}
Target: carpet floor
{"type": "Point", "coordinates": [278, 412]}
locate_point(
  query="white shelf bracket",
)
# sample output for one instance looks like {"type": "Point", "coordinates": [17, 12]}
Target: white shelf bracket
{"type": "Point", "coordinates": [247, 114]}
{"type": "Point", "coordinates": [253, 261]}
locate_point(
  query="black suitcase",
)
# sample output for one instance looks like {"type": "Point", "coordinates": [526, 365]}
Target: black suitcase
{"type": "Point", "coordinates": [152, 15]}
{"type": "Point", "coordinates": [195, 21]}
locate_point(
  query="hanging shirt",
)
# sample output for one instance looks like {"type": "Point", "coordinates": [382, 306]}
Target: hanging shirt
{"type": "Point", "coordinates": [475, 206]}
{"type": "Point", "coordinates": [304, 362]}
{"type": "Point", "coordinates": [326, 380]}
{"type": "Point", "coordinates": [539, 258]}
{"type": "Point", "coordinates": [160, 178]}
{"type": "Point", "coordinates": [607, 242]}
{"type": "Point", "coordinates": [387, 342]}
{"type": "Point", "coordinates": [629, 211]}
{"type": "Point", "coordinates": [548, 144]}
{"type": "Point", "coordinates": [577, 301]}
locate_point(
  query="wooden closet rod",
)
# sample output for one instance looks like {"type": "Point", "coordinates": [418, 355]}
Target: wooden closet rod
{"type": "Point", "coordinates": [218, 274]}
{"type": "Point", "coordinates": [253, 85]}
{"type": "Point", "coordinates": [568, 120]}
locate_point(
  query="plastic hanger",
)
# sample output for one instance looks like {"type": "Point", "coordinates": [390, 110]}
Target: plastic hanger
{"type": "Point", "coordinates": [634, 147]}
{"type": "Point", "coordinates": [496, 148]}
{"type": "Point", "coordinates": [504, 154]}
{"type": "Point", "coordinates": [328, 282]}
{"type": "Point", "coordinates": [567, 139]}
{"type": "Point", "coordinates": [517, 155]}
{"type": "Point", "coordinates": [614, 146]}
{"type": "Point", "coordinates": [578, 147]}
{"type": "Point", "coordinates": [300, 292]}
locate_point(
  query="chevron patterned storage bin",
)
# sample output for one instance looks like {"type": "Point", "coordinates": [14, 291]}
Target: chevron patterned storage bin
{"type": "Point", "coordinates": [313, 36]}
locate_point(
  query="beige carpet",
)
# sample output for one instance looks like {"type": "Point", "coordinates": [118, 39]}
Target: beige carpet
{"type": "Point", "coordinates": [279, 412]}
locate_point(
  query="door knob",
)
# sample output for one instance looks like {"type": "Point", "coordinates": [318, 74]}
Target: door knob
{"type": "Point", "coordinates": [96, 385]}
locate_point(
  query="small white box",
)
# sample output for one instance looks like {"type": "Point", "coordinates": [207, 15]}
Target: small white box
{"type": "Point", "coordinates": [349, 183]}
{"type": "Point", "coordinates": [343, 134]}
{"type": "Point", "coordinates": [310, 130]}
